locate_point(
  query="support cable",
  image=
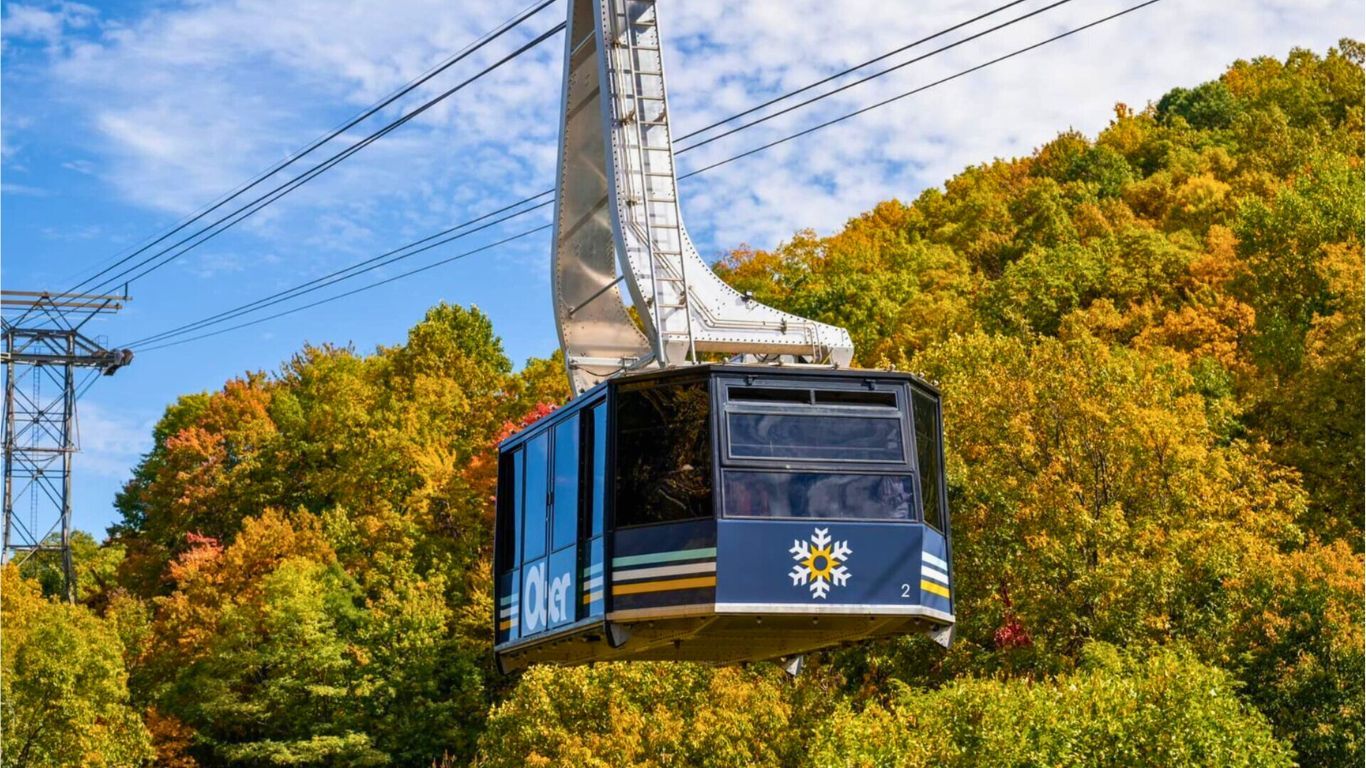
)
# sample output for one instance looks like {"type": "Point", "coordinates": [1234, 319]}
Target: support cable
{"type": "Point", "coordinates": [913, 91]}
{"type": "Point", "coordinates": [305, 287]}
{"type": "Point", "coordinates": [366, 287]}
{"type": "Point", "coordinates": [748, 111]}
{"type": "Point", "coordinates": [233, 314]}
{"type": "Point", "coordinates": [874, 76]}
{"type": "Point", "coordinates": [280, 191]}
{"type": "Point", "coordinates": [855, 68]}
{"type": "Point", "coordinates": [370, 264]}
{"type": "Point", "coordinates": [370, 111]}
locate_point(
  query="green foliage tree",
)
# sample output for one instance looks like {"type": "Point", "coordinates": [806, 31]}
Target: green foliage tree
{"type": "Point", "coordinates": [96, 568]}
{"type": "Point", "coordinates": [1092, 499]}
{"type": "Point", "coordinates": [639, 715]}
{"type": "Point", "coordinates": [1150, 348]}
{"type": "Point", "coordinates": [350, 629]}
{"type": "Point", "coordinates": [63, 688]}
{"type": "Point", "coordinates": [1151, 359]}
{"type": "Point", "coordinates": [1168, 709]}
{"type": "Point", "coordinates": [1298, 642]}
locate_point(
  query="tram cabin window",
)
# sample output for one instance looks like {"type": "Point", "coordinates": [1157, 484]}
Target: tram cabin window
{"type": "Point", "coordinates": [595, 435]}
{"type": "Point", "coordinates": [509, 493]}
{"type": "Point", "coordinates": [929, 454]}
{"type": "Point", "coordinates": [534, 497]}
{"type": "Point", "coordinates": [565, 491]}
{"type": "Point", "coordinates": [825, 453]}
{"type": "Point", "coordinates": [820, 436]}
{"type": "Point", "coordinates": [818, 494]}
{"type": "Point", "coordinates": [834, 425]}
{"type": "Point", "coordinates": [663, 453]}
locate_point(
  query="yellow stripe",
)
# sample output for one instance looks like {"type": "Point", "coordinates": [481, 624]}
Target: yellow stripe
{"type": "Point", "coordinates": [505, 624]}
{"type": "Point", "coordinates": [930, 586]}
{"type": "Point", "coordinates": [592, 596]}
{"type": "Point", "coordinates": [663, 586]}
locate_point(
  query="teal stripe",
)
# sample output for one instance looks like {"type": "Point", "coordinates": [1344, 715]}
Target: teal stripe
{"type": "Point", "coordinates": [664, 557]}
{"type": "Point", "coordinates": [506, 600]}
{"type": "Point", "coordinates": [593, 569]}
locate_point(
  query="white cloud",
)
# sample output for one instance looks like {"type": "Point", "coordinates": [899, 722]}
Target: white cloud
{"type": "Point", "coordinates": [1004, 110]}
{"type": "Point", "coordinates": [23, 189]}
{"type": "Point", "coordinates": [187, 101]}
{"type": "Point", "coordinates": [111, 442]}
{"type": "Point", "coordinates": [45, 23]}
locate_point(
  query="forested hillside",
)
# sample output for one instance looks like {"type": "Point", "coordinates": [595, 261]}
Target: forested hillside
{"type": "Point", "coordinates": [1150, 347]}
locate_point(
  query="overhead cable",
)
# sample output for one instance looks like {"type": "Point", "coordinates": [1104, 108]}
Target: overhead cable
{"type": "Point", "coordinates": [354, 291]}
{"type": "Point", "coordinates": [305, 287]}
{"type": "Point", "coordinates": [849, 70]}
{"type": "Point", "coordinates": [294, 157]}
{"type": "Point", "coordinates": [369, 265]}
{"type": "Point", "coordinates": [260, 202]}
{"type": "Point", "coordinates": [699, 171]}
{"type": "Point", "coordinates": [913, 91]}
{"type": "Point", "coordinates": [874, 76]}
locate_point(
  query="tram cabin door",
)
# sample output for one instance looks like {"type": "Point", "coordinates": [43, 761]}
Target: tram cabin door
{"type": "Point", "coordinates": [550, 564]}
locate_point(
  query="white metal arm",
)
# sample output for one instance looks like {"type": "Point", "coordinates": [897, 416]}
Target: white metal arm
{"type": "Point", "coordinates": [617, 221]}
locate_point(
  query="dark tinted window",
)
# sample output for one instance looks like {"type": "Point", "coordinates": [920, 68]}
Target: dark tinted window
{"type": "Point", "coordinates": [663, 454]}
{"type": "Point", "coordinates": [565, 517]}
{"type": "Point", "coordinates": [817, 494]}
{"type": "Point", "coordinates": [927, 436]}
{"type": "Point", "coordinates": [855, 397]}
{"type": "Point", "coordinates": [509, 508]}
{"type": "Point", "coordinates": [795, 435]}
{"type": "Point", "coordinates": [533, 519]}
{"type": "Point", "coordinates": [770, 394]}
{"type": "Point", "coordinates": [519, 505]}
{"type": "Point", "coordinates": [596, 428]}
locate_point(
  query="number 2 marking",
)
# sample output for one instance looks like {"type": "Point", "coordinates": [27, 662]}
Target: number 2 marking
{"type": "Point", "coordinates": [905, 590]}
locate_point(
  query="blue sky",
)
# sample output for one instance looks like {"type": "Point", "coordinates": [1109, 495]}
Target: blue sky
{"type": "Point", "coordinates": [118, 119]}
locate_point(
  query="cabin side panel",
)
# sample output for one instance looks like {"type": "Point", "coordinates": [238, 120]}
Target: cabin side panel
{"type": "Point", "coordinates": [664, 566]}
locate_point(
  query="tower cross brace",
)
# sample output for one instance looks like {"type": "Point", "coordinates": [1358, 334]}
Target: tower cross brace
{"type": "Point", "coordinates": [48, 364]}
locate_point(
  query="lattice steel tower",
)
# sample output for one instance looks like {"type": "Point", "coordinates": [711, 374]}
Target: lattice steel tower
{"type": "Point", "coordinates": [43, 350]}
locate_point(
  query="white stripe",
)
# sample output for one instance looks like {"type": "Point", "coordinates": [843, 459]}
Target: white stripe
{"type": "Point", "coordinates": [939, 576]}
{"type": "Point", "coordinates": [664, 570]}
{"type": "Point", "coordinates": [592, 584]}
{"type": "Point", "coordinates": [506, 612]}
{"type": "Point", "coordinates": [932, 560]}
{"type": "Point", "coordinates": [856, 609]}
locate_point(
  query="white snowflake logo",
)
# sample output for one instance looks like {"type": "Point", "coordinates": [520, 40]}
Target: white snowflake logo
{"type": "Point", "coordinates": [819, 563]}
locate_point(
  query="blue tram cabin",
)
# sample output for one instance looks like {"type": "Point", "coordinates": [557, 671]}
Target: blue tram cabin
{"type": "Point", "coordinates": [723, 513]}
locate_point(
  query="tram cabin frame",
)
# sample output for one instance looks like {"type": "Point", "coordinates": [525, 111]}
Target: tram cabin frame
{"type": "Point", "coordinates": [723, 513]}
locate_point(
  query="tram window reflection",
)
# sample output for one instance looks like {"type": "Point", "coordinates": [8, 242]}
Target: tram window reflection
{"type": "Point", "coordinates": [533, 518]}
{"type": "Point", "coordinates": [928, 454]}
{"type": "Point", "coordinates": [663, 456]}
{"type": "Point", "coordinates": [597, 429]}
{"type": "Point", "coordinates": [818, 495]}
{"type": "Point", "coordinates": [821, 437]}
{"type": "Point", "coordinates": [565, 495]}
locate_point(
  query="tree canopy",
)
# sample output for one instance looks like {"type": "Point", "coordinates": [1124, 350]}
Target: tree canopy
{"type": "Point", "coordinates": [1149, 344]}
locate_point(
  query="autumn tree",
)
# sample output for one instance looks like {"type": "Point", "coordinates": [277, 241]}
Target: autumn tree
{"type": "Point", "coordinates": [1116, 710]}
{"type": "Point", "coordinates": [63, 687]}
{"type": "Point", "coordinates": [639, 715]}
{"type": "Point", "coordinates": [1149, 344]}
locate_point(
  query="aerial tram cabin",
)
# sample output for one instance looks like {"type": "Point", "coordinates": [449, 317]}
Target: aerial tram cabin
{"type": "Point", "coordinates": [723, 513]}
{"type": "Point", "coordinates": [683, 509]}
